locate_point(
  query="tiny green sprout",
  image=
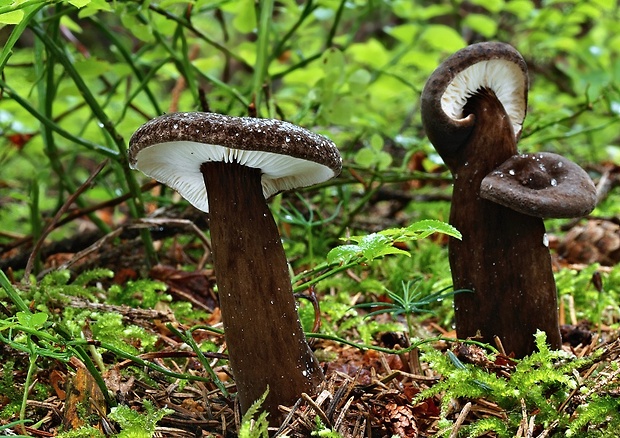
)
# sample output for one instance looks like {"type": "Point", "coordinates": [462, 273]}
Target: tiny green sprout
{"type": "Point", "coordinates": [135, 424]}
{"type": "Point", "coordinates": [409, 302]}
{"type": "Point", "coordinates": [252, 427]}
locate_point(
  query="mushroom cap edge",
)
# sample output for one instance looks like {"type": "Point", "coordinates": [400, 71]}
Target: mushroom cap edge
{"type": "Point", "coordinates": [171, 148]}
{"type": "Point", "coordinates": [487, 64]}
{"type": "Point", "coordinates": [543, 184]}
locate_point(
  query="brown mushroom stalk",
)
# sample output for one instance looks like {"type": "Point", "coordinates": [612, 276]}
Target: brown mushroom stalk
{"type": "Point", "coordinates": [227, 167]}
{"type": "Point", "coordinates": [502, 256]}
{"type": "Point", "coordinates": [265, 340]}
{"type": "Point", "coordinates": [473, 107]}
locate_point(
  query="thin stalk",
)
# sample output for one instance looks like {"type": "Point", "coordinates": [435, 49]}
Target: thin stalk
{"type": "Point", "coordinates": [330, 273]}
{"type": "Point", "coordinates": [35, 216]}
{"type": "Point", "coordinates": [31, 368]}
{"type": "Point", "coordinates": [186, 62]}
{"type": "Point", "coordinates": [135, 359]}
{"type": "Point", "coordinates": [189, 340]}
{"type": "Point", "coordinates": [175, 56]}
{"type": "Point", "coordinates": [46, 89]}
{"type": "Point", "coordinates": [309, 6]}
{"type": "Point", "coordinates": [265, 15]}
{"type": "Point", "coordinates": [29, 12]}
{"type": "Point", "coordinates": [135, 204]}
{"type": "Point", "coordinates": [183, 22]}
{"type": "Point", "coordinates": [146, 79]}
{"type": "Point", "coordinates": [12, 293]}
{"type": "Point", "coordinates": [126, 55]}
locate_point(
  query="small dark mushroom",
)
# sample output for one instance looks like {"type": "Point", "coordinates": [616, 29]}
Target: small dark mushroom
{"type": "Point", "coordinates": [241, 161]}
{"type": "Point", "coordinates": [545, 185]}
{"type": "Point", "coordinates": [473, 107]}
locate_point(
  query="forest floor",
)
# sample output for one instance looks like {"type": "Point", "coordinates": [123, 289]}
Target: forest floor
{"type": "Point", "coordinates": [366, 393]}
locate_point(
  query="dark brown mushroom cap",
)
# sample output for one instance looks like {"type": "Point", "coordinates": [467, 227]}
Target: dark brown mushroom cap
{"type": "Point", "coordinates": [171, 148]}
{"type": "Point", "coordinates": [544, 185]}
{"type": "Point", "coordinates": [493, 65]}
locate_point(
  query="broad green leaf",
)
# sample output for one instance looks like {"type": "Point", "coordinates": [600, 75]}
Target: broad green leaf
{"type": "Point", "coordinates": [339, 112]}
{"type": "Point", "coordinates": [92, 67]}
{"type": "Point", "coordinates": [443, 38]}
{"type": "Point", "coordinates": [521, 8]}
{"type": "Point", "coordinates": [371, 52]}
{"type": "Point", "coordinates": [483, 24]}
{"type": "Point", "coordinates": [13, 17]}
{"type": "Point", "coordinates": [405, 32]}
{"type": "Point", "coordinates": [429, 226]}
{"type": "Point", "coordinates": [138, 29]}
{"type": "Point", "coordinates": [383, 160]}
{"type": "Point", "coordinates": [359, 80]}
{"type": "Point", "coordinates": [343, 254]}
{"type": "Point", "coordinates": [364, 157]}
{"type": "Point", "coordinates": [376, 142]}
{"type": "Point", "coordinates": [93, 7]}
{"type": "Point", "coordinates": [244, 19]}
{"type": "Point", "coordinates": [31, 320]}
{"type": "Point", "coordinates": [333, 65]}
{"type": "Point", "coordinates": [65, 20]}
{"type": "Point", "coordinates": [79, 3]}
{"type": "Point", "coordinates": [494, 6]}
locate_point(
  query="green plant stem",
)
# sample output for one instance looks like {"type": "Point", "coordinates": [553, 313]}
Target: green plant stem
{"type": "Point", "coordinates": [129, 60]}
{"type": "Point", "coordinates": [309, 6]}
{"type": "Point", "coordinates": [12, 293]}
{"type": "Point", "coordinates": [31, 368]}
{"type": "Point", "coordinates": [178, 61]}
{"type": "Point", "coordinates": [135, 204]}
{"type": "Point", "coordinates": [413, 346]}
{"type": "Point", "coordinates": [109, 153]}
{"type": "Point", "coordinates": [330, 273]}
{"type": "Point", "coordinates": [265, 15]}
{"type": "Point", "coordinates": [363, 202]}
{"type": "Point", "coordinates": [189, 340]}
{"type": "Point", "coordinates": [31, 9]}
{"type": "Point", "coordinates": [183, 22]}
{"type": "Point", "coordinates": [35, 215]}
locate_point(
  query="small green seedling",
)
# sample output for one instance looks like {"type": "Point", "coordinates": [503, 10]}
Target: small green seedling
{"type": "Point", "coordinates": [409, 302]}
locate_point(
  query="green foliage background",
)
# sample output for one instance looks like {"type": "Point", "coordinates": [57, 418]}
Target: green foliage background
{"type": "Point", "coordinates": [80, 76]}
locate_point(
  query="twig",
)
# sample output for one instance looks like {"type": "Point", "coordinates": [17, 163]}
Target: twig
{"type": "Point", "coordinates": [317, 409]}
{"type": "Point", "coordinates": [545, 432]}
{"type": "Point", "coordinates": [460, 419]}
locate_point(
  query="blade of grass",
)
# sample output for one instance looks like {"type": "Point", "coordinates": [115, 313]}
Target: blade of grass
{"type": "Point", "coordinates": [30, 8]}
{"type": "Point", "coordinates": [189, 340]}
{"type": "Point", "coordinates": [129, 60]}
{"type": "Point", "coordinates": [265, 15]}
{"type": "Point", "coordinates": [12, 293]}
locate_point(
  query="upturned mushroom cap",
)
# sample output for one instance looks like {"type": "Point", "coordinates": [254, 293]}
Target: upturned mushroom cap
{"type": "Point", "coordinates": [544, 185]}
{"type": "Point", "coordinates": [496, 66]}
{"type": "Point", "coordinates": [171, 148]}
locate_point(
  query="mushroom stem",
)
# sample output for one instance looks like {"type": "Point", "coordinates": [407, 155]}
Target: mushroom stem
{"type": "Point", "coordinates": [502, 252]}
{"type": "Point", "coordinates": [266, 343]}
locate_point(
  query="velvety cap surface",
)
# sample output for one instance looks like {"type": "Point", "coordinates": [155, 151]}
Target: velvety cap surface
{"type": "Point", "coordinates": [172, 147]}
{"type": "Point", "coordinates": [544, 184]}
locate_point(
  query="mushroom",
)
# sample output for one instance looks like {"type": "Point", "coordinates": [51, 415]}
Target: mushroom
{"type": "Point", "coordinates": [241, 161]}
{"type": "Point", "coordinates": [542, 185]}
{"type": "Point", "coordinates": [473, 107]}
